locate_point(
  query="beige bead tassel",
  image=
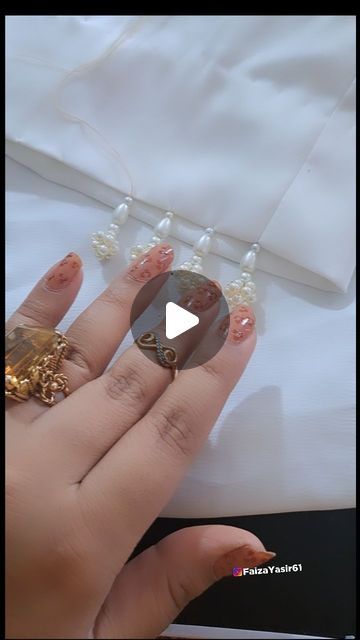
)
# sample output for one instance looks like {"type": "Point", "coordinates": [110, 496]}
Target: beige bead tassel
{"type": "Point", "coordinates": [105, 243]}
{"type": "Point", "coordinates": [200, 249]}
{"type": "Point", "coordinates": [161, 231]}
{"type": "Point", "coordinates": [243, 290]}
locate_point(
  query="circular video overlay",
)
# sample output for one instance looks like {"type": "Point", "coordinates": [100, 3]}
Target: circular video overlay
{"type": "Point", "coordinates": [180, 314]}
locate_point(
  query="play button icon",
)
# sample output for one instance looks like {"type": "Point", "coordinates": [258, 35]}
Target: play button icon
{"type": "Point", "coordinates": [179, 312]}
{"type": "Point", "coordinates": [178, 320]}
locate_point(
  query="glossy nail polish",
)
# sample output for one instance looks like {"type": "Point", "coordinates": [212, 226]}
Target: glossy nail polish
{"type": "Point", "coordinates": [244, 557]}
{"type": "Point", "coordinates": [202, 298]}
{"type": "Point", "coordinates": [63, 273]}
{"type": "Point", "coordinates": [151, 263]}
{"type": "Point", "coordinates": [238, 325]}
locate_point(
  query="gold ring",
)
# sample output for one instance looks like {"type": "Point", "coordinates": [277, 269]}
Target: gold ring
{"type": "Point", "coordinates": [166, 356]}
{"type": "Point", "coordinates": [33, 356]}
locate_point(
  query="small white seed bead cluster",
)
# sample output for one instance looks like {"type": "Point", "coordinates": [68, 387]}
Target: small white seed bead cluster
{"type": "Point", "coordinates": [105, 243]}
{"type": "Point", "coordinates": [243, 289]}
{"type": "Point", "coordinates": [161, 231]}
{"type": "Point", "coordinates": [185, 280]}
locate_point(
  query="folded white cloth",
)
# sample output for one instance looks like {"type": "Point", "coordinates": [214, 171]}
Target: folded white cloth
{"type": "Point", "coordinates": [244, 123]}
{"type": "Point", "coordinates": [285, 440]}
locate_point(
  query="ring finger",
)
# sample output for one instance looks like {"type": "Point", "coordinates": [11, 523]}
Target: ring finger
{"type": "Point", "coordinates": [107, 407]}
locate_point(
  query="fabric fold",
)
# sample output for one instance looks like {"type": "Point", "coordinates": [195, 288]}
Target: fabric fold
{"type": "Point", "coordinates": [243, 123]}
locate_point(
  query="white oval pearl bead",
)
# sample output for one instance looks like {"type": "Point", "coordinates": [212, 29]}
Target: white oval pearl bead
{"type": "Point", "coordinates": [169, 214]}
{"type": "Point", "coordinates": [156, 240]}
{"type": "Point", "coordinates": [163, 227]}
{"type": "Point", "coordinates": [196, 268]}
{"type": "Point", "coordinates": [120, 214]}
{"type": "Point", "coordinates": [128, 200]}
{"type": "Point", "coordinates": [255, 247]}
{"type": "Point", "coordinates": [247, 262]}
{"type": "Point", "coordinates": [196, 259]}
{"type": "Point", "coordinates": [203, 245]}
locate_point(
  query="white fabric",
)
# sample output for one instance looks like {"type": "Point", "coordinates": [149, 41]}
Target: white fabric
{"type": "Point", "coordinates": [241, 122]}
{"type": "Point", "coordinates": [285, 440]}
{"type": "Point", "coordinates": [189, 631]}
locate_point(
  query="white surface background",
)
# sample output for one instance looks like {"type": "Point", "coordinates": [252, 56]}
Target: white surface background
{"type": "Point", "coordinates": [285, 439]}
{"type": "Point", "coordinates": [187, 631]}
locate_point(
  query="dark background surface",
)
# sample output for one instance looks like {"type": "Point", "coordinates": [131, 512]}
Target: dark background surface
{"type": "Point", "coordinates": [320, 600]}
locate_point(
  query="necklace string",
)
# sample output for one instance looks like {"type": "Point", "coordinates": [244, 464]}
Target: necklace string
{"type": "Point", "coordinates": [129, 31]}
{"type": "Point", "coordinates": [123, 37]}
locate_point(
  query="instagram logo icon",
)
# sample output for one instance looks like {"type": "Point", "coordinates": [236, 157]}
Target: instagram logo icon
{"type": "Point", "coordinates": [237, 571]}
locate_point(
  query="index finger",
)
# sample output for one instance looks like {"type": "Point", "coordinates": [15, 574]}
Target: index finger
{"type": "Point", "coordinates": [141, 471]}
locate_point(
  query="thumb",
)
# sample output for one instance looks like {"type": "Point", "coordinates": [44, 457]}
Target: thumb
{"type": "Point", "coordinates": [163, 579]}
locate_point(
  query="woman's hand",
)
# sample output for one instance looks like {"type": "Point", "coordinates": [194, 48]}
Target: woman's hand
{"type": "Point", "coordinates": [87, 477]}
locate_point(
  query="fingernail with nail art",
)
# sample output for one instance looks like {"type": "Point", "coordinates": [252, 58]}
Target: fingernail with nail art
{"type": "Point", "coordinates": [202, 298]}
{"type": "Point", "coordinates": [245, 556]}
{"type": "Point", "coordinates": [238, 325]}
{"type": "Point", "coordinates": [63, 273]}
{"type": "Point", "coordinates": [151, 263]}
